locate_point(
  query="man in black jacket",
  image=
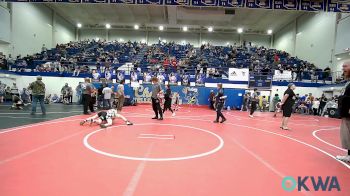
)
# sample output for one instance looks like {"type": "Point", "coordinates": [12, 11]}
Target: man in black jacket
{"type": "Point", "coordinates": [344, 111]}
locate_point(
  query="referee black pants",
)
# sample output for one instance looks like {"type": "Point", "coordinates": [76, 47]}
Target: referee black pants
{"type": "Point", "coordinates": [219, 114]}
{"type": "Point", "coordinates": [252, 107]}
{"type": "Point", "coordinates": [87, 103]}
{"type": "Point", "coordinates": [156, 108]}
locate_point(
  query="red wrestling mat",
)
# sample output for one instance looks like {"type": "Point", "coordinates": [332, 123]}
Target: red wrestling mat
{"type": "Point", "coordinates": [184, 155]}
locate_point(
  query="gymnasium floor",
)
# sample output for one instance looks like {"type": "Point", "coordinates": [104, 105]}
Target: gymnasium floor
{"type": "Point", "coordinates": [183, 155]}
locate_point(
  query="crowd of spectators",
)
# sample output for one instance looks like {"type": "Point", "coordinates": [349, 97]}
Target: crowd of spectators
{"type": "Point", "coordinates": [13, 94]}
{"type": "Point", "coordinates": [308, 104]}
{"type": "Point", "coordinates": [304, 104]}
{"type": "Point", "coordinates": [212, 61]}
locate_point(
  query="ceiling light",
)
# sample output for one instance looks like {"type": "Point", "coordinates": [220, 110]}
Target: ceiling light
{"type": "Point", "coordinates": [164, 41]}
{"type": "Point", "coordinates": [185, 28]}
{"type": "Point", "coordinates": [79, 25]}
{"type": "Point", "coordinates": [108, 26]}
{"type": "Point", "coordinates": [240, 30]}
{"type": "Point", "coordinates": [121, 40]}
{"type": "Point", "coordinates": [143, 41]}
{"type": "Point", "coordinates": [161, 28]}
{"type": "Point", "coordinates": [269, 31]}
{"type": "Point", "coordinates": [210, 29]}
{"type": "Point", "coordinates": [136, 27]}
{"type": "Point", "coordinates": [338, 59]}
{"type": "Point", "coordinates": [97, 38]}
{"type": "Point", "coordinates": [228, 43]}
{"type": "Point", "coordinates": [204, 42]}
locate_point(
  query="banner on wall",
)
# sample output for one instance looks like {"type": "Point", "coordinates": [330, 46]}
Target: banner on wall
{"type": "Point", "coordinates": [284, 75]}
{"type": "Point", "coordinates": [123, 1]}
{"type": "Point", "coordinates": [177, 2]}
{"type": "Point", "coordinates": [120, 75]}
{"type": "Point", "coordinates": [200, 79]}
{"type": "Point", "coordinates": [230, 3]}
{"type": "Point", "coordinates": [338, 6]}
{"type": "Point", "coordinates": [235, 74]}
{"type": "Point", "coordinates": [266, 4]}
{"type": "Point", "coordinates": [286, 4]}
{"type": "Point", "coordinates": [313, 5]}
{"type": "Point", "coordinates": [173, 78]}
{"type": "Point", "coordinates": [187, 95]}
{"type": "Point", "coordinates": [134, 76]}
{"type": "Point", "coordinates": [305, 5]}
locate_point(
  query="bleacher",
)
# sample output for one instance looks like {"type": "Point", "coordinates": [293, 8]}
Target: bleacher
{"type": "Point", "coordinates": [92, 54]}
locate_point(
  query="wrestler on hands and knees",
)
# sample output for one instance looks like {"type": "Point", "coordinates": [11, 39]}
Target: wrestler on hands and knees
{"type": "Point", "coordinates": [105, 118]}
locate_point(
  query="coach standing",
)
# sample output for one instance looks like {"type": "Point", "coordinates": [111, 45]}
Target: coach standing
{"type": "Point", "coordinates": [120, 95]}
{"type": "Point", "coordinates": [38, 94]}
{"type": "Point", "coordinates": [344, 111]}
{"type": "Point", "coordinates": [155, 100]}
{"type": "Point", "coordinates": [287, 105]}
{"type": "Point", "coordinates": [86, 99]}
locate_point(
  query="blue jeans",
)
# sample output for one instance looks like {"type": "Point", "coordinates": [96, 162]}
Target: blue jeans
{"type": "Point", "coordinates": [79, 98]}
{"type": "Point", "coordinates": [39, 98]}
{"type": "Point", "coordinates": [107, 103]}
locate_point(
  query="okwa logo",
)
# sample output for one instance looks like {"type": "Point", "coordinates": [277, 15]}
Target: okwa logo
{"type": "Point", "coordinates": [329, 183]}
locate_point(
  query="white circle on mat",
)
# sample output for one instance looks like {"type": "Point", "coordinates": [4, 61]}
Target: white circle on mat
{"type": "Point", "coordinates": [212, 151]}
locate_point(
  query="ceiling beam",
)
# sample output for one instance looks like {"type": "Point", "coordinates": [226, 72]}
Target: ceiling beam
{"type": "Point", "coordinates": [131, 12]}
{"type": "Point", "coordinates": [148, 14]}
{"type": "Point", "coordinates": [172, 15]}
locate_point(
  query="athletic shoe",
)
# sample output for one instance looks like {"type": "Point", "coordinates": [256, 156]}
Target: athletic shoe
{"type": "Point", "coordinates": [129, 123]}
{"type": "Point", "coordinates": [82, 122]}
{"type": "Point", "coordinates": [215, 121]}
{"type": "Point", "coordinates": [251, 116]}
{"type": "Point", "coordinates": [103, 126]}
{"type": "Point", "coordinates": [223, 120]}
{"type": "Point", "coordinates": [173, 114]}
{"type": "Point", "coordinates": [343, 158]}
{"type": "Point", "coordinates": [155, 118]}
{"type": "Point", "coordinates": [160, 118]}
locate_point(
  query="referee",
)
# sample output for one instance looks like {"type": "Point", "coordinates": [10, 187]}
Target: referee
{"type": "Point", "coordinates": [86, 99]}
{"type": "Point", "coordinates": [254, 100]}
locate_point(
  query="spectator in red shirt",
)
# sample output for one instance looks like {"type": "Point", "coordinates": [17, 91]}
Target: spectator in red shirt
{"type": "Point", "coordinates": [276, 58]}
{"type": "Point", "coordinates": [166, 64]}
{"type": "Point", "coordinates": [174, 63]}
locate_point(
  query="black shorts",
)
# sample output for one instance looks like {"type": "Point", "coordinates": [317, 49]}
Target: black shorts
{"type": "Point", "coordinates": [287, 111]}
{"type": "Point", "coordinates": [102, 116]}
